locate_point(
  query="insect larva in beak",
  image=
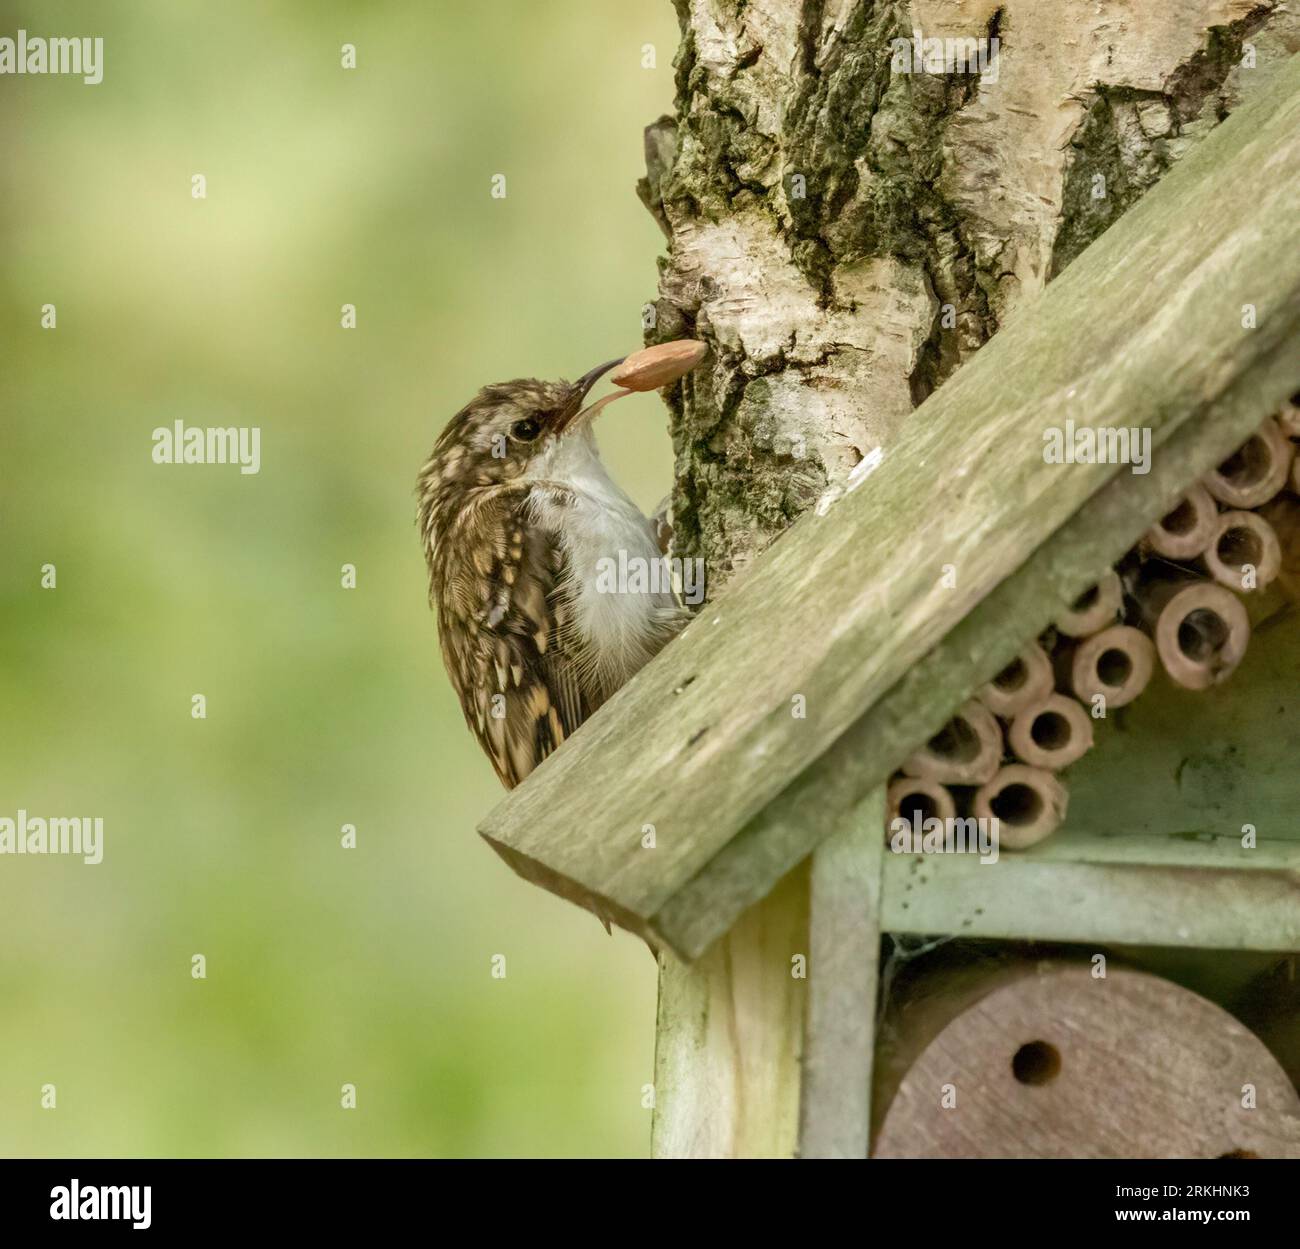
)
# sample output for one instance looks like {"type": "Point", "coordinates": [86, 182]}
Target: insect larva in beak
{"type": "Point", "coordinates": [653, 367]}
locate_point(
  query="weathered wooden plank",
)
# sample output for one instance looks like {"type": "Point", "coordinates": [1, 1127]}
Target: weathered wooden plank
{"type": "Point", "coordinates": [729, 1037]}
{"type": "Point", "coordinates": [1125, 843]}
{"type": "Point", "coordinates": [1034, 899]}
{"type": "Point", "coordinates": [1144, 329]}
{"type": "Point", "coordinates": [839, 1030]}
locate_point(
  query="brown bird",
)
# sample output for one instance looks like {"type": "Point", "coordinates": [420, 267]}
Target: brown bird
{"type": "Point", "coordinates": [516, 514]}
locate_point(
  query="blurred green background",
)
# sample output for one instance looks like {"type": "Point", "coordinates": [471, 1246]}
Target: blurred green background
{"type": "Point", "coordinates": [325, 706]}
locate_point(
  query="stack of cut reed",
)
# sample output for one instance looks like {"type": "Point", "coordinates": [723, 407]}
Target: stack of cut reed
{"type": "Point", "coordinates": [1174, 596]}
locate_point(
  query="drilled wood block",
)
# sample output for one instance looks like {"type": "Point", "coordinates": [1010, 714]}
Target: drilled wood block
{"type": "Point", "coordinates": [1052, 1062]}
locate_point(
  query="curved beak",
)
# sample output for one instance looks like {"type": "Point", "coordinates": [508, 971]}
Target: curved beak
{"type": "Point", "coordinates": [588, 380]}
{"type": "Point", "coordinates": [577, 414]}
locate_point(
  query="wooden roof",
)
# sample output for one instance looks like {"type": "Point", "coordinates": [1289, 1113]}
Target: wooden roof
{"type": "Point", "coordinates": [851, 609]}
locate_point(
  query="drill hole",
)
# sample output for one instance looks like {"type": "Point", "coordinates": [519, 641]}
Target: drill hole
{"type": "Point", "coordinates": [1012, 677]}
{"type": "Point", "coordinates": [1238, 546]}
{"type": "Point", "coordinates": [1114, 667]}
{"type": "Point", "coordinates": [1036, 1063]}
{"type": "Point", "coordinates": [918, 807]}
{"type": "Point", "coordinates": [1086, 599]}
{"type": "Point", "coordinates": [1247, 465]}
{"type": "Point", "coordinates": [956, 740]}
{"type": "Point", "coordinates": [1017, 804]}
{"type": "Point", "coordinates": [1202, 634]}
{"type": "Point", "coordinates": [1181, 520]}
{"type": "Point", "coordinates": [1050, 731]}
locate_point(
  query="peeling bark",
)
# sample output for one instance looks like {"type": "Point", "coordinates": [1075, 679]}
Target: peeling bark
{"type": "Point", "coordinates": [844, 235]}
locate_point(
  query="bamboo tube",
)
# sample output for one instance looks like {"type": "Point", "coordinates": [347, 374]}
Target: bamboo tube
{"type": "Point", "coordinates": [1200, 629]}
{"type": "Point", "coordinates": [966, 751]}
{"type": "Point", "coordinates": [1155, 586]}
{"type": "Point", "coordinates": [1241, 539]}
{"type": "Point", "coordinates": [1116, 663]}
{"type": "Point", "coordinates": [1184, 532]}
{"type": "Point", "coordinates": [1255, 472]}
{"type": "Point", "coordinates": [1051, 734]}
{"type": "Point", "coordinates": [1094, 609]}
{"type": "Point", "coordinates": [1028, 803]}
{"type": "Point", "coordinates": [1289, 419]}
{"type": "Point", "coordinates": [1026, 679]}
{"type": "Point", "coordinates": [919, 797]}
{"type": "Point", "coordinates": [1283, 514]}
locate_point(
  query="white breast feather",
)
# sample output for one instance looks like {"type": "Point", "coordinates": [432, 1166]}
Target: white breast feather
{"type": "Point", "coordinates": [620, 631]}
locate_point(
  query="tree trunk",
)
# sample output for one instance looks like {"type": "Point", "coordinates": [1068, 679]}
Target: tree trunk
{"type": "Point", "coordinates": [844, 233]}
{"type": "Point", "coordinates": [847, 227]}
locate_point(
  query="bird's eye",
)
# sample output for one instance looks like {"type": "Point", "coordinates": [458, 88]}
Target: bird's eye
{"type": "Point", "coordinates": [525, 430]}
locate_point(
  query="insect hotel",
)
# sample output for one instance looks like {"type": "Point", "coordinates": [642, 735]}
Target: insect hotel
{"type": "Point", "coordinates": [995, 620]}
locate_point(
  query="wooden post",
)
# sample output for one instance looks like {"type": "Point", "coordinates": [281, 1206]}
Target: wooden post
{"type": "Point", "coordinates": [730, 1033]}
{"type": "Point", "coordinates": [840, 1023]}
{"type": "Point", "coordinates": [794, 979]}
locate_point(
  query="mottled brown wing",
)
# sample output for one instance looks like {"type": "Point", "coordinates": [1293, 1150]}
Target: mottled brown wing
{"type": "Point", "coordinates": [501, 617]}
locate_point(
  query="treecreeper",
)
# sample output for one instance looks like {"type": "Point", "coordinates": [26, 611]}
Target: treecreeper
{"type": "Point", "coordinates": [517, 514]}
